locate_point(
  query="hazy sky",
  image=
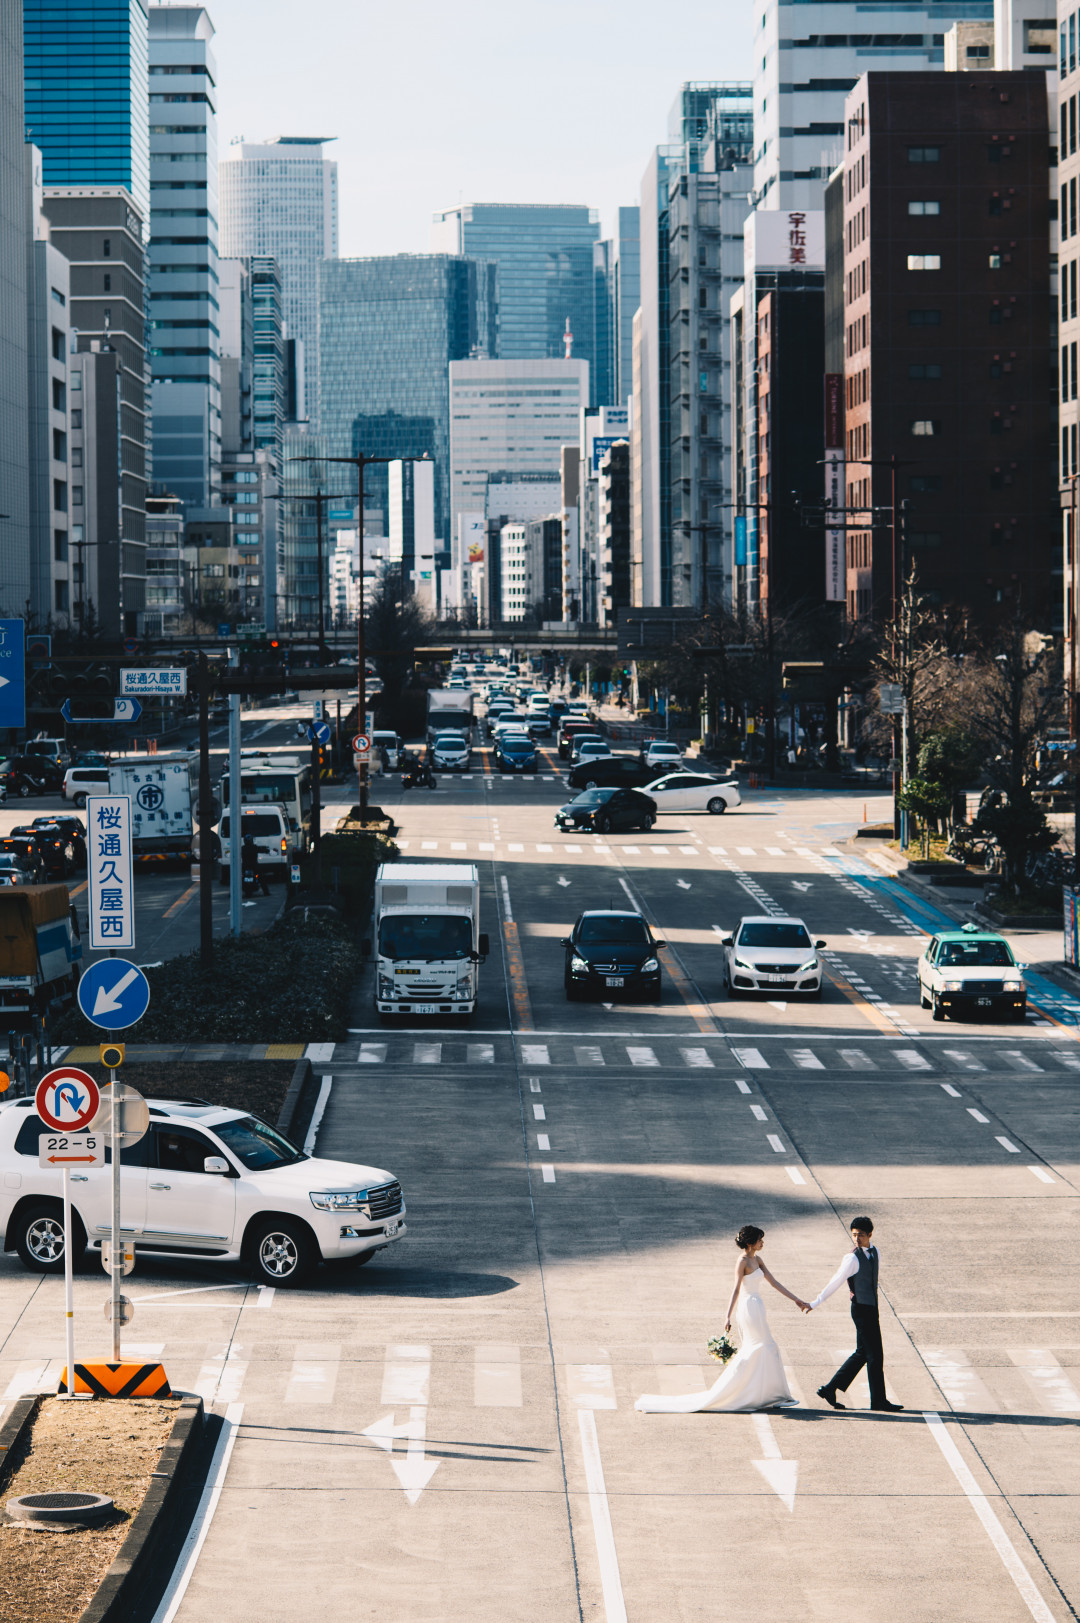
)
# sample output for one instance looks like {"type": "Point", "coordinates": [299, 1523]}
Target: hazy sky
{"type": "Point", "coordinates": [469, 100]}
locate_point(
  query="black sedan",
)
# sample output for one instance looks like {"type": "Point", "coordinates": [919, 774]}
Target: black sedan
{"type": "Point", "coordinates": [16, 868]}
{"type": "Point", "coordinates": [609, 772]}
{"type": "Point", "coordinates": [612, 953]}
{"type": "Point", "coordinates": [25, 775]}
{"type": "Point", "coordinates": [603, 810]}
{"type": "Point", "coordinates": [72, 829]}
{"type": "Point", "coordinates": [51, 847]}
{"type": "Point", "coordinates": [515, 752]}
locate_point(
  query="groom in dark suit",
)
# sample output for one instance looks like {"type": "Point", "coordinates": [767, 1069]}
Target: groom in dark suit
{"type": "Point", "coordinates": [860, 1268]}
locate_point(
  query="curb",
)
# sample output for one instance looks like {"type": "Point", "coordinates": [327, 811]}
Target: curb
{"type": "Point", "coordinates": [14, 1429]}
{"type": "Point", "coordinates": [145, 1552]}
{"type": "Point", "coordinates": [290, 1108]}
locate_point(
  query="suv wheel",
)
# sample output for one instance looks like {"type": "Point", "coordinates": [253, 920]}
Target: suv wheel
{"type": "Point", "coordinates": [39, 1237]}
{"type": "Point", "coordinates": [282, 1252]}
{"type": "Point", "coordinates": [79, 800]}
{"type": "Point", "coordinates": [591, 783]}
{"type": "Point", "coordinates": [603, 825]}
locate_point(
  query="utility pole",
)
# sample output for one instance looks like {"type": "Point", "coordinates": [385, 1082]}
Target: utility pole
{"type": "Point", "coordinates": [206, 822]}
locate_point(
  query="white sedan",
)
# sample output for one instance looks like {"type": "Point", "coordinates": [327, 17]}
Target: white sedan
{"type": "Point", "coordinates": [693, 792]}
{"type": "Point", "coordinates": [772, 955]}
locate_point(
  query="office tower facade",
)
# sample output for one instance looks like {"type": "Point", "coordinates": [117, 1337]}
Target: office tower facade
{"type": "Point", "coordinates": [14, 336]}
{"type": "Point", "coordinates": [544, 254]}
{"type": "Point", "coordinates": [693, 206]}
{"type": "Point", "coordinates": [599, 428]}
{"type": "Point", "coordinates": [948, 363]}
{"type": "Point", "coordinates": [185, 341]}
{"type": "Point", "coordinates": [520, 577]}
{"type": "Point", "coordinates": [50, 455]}
{"type": "Point", "coordinates": [169, 583]}
{"type": "Point", "coordinates": [279, 200]}
{"type": "Point", "coordinates": [100, 232]}
{"type": "Point", "coordinates": [613, 513]}
{"type": "Point", "coordinates": [809, 56]}
{"type": "Point", "coordinates": [509, 417]}
{"type": "Point", "coordinates": [1068, 225]}
{"type": "Point", "coordinates": [617, 283]}
{"type": "Point", "coordinates": [389, 330]}
{"type": "Point", "coordinates": [87, 89]}
{"type": "Point", "coordinates": [252, 425]}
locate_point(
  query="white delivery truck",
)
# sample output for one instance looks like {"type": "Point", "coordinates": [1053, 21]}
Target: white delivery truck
{"type": "Point", "coordinates": [163, 790]}
{"type": "Point", "coordinates": [428, 947]}
{"type": "Point", "coordinates": [449, 710]}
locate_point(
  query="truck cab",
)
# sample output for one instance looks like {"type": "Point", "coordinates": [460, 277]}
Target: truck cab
{"type": "Point", "coordinates": [427, 944]}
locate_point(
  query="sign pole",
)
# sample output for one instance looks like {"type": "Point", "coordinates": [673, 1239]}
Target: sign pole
{"type": "Point", "coordinates": [235, 808]}
{"type": "Point", "coordinates": [69, 1289]}
{"type": "Point", "coordinates": [116, 1258]}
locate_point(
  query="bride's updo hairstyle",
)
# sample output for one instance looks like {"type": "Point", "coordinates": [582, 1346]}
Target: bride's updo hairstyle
{"type": "Point", "coordinates": [748, 1235]}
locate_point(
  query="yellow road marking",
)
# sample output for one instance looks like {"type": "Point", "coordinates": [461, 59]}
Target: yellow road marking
{"type": "Point", "coordinates": [284, 1051]}
{"type": "Point", "coordinates": [519, 986]}
{"type": "Point", "coordinates": [882, 1021]}
{"type": "Point", "coordinates": [78, 889]}
{"type": "Point", "coordinates": [181, 901]}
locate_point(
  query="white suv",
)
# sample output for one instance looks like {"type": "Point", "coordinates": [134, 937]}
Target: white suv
{"type": "Point", "coordinates": [202, 1182]}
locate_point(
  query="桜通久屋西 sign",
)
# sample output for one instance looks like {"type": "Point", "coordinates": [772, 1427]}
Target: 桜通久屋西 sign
{"type": "Point", "coordinates": [168, 682]}
{"type": "Point", "coordinates": [111, 889]}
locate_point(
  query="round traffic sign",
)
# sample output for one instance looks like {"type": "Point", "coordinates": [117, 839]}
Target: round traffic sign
{"type": "Point", "coordinates": [67, 1099]}
{"type": "Point", "coordinates": [113, 993]}
{"type": "Point", "coordinates": [361, 743]}
{"type": "Point", "coordinates": [130, 645]}
{"type": "Point", "coordinates": [132, 1110]}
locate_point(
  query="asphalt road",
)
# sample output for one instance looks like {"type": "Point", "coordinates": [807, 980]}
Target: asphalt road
{"type": "Point", "coordinates": [450, 1432]}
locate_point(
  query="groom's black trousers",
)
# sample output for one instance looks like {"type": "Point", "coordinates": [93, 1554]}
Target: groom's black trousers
{"type": "Point", "coordinates": [868, 1352]}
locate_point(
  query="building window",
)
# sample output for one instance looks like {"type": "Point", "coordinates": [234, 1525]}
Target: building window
{"type": "Point", "coordinates": [924, 538]}
{"type": "Point", "coordinates": [76, 381]}
{"type": "Point", "coordinates": [60, 599]}
{"type": "Point", "coordinates": [106, 283]}
{"type": "Point", "coordinates": [76, 495]}
{"type": "Point", "coordinates": [921, 262]}
{"type": "Point", "coordinates": [928, 205]}
{"type": "Point", "coordinates": [106, 248]}
{"type": "Point", "coordinates": [76, 422]}
{"type": "Point", "coordinates": [58, 344]}
{"type": "Point", "coordinates": [924, 369]}
{"type": "Point", "coordinates": [60, 496]}
{"type": "Point", "coordinates": [59, 445]}
{"type": "Point", "coordinates": [924, 154]}
{"type": "Point", "coordinates": [924, 318]}
{"type": "Point", "coordinates": [925, 427]}
{"type": "Point", "coordinates": [59, 395]}
{"type": "Point", "coordinates": [58, 296]}
{"type": "Point", "coordinates": [994, 261]}
{"type": "Point", "coordinates": [76, 456]}
{"type": "Point", "coordinates": [60, 550]}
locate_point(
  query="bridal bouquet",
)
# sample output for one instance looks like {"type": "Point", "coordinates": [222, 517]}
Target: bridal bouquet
{"type": "Point", "coordinates": [722, 1347]}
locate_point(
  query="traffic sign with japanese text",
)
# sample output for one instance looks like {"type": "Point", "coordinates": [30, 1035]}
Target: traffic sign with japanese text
{"type": "Point", "coordinates": [67, 1099]}
{"type": "Point", "coordinates": [168, 681]}
{"type": "Point", "coordinates": [113, 993]}
{"type": "Point", "coordinates": [111, 885]}
{"type": "Point", "coordinates": [12, 673]}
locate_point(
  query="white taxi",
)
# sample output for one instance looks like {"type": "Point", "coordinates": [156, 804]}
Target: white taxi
{"type": "Point", "coordinates": [971, 971]}
{"type": "Point", "coordinates": [203, 1182]}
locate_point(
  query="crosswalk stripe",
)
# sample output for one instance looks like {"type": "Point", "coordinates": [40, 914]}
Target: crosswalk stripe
{"type": "Point", "coordinates": [1021, 1061]}
{"type": "Point", "coordinates": [659, 850]}
{"type": "Point", "coordinates": [480, 1053]}
{"type": "Point", "coordinates": [591, 1386]}
{"type": "Point", "coordinates": [406, 1375]}
{"type": "Point", "coordinates": [576, 849]}
{"type": "Point", "coordinates": [515, 848]}
{"type": "Point", "coordinates": [1042, 1174]}
{"type": "Point", "coordinates": [372, 1053]}
{"type": "Point", "coordinates": [806, 1059]}
{"type": "Point", "coordinates": [964, 1059]}
{"type": "Point", "coordinates": [746, 850]}
{"type": "Point", "coordinates": [642, 1056]}
{"type": "Point", "coordinates": [912, 1059]}
{"type": "Point", "coordinates": [697, 1058]}
{"type": "Point", "coordinates": [857, 1060]}
{"type": "Point", "coordinates": [546, 848]}
{"type": "Point", "coordinates": [1007, 1144]}
{"type": "Point", "coordinates": [776, 1143]}
{"type": "Point", "coordinates": [587, 1054]}
{"type": "Point", "coordinates": [758, 1114]}
{"type": "Point", "coordinates": [718, 850]}
{"type": "Point", "coordinates": [320, 1052]}
{"type": "Point", "coordinates": [796, 1177]}
{"type": "Point", "coordinates": [963, 1388]}
{"type": "Point", "coordinates": [535, 1054]}
{"type": "Point", "coordinates": [429, 845]}
{"type": "Point", "coordinates": [774, 851]}
{"type": "Point", "coordinates": [427, 1053]}
{"type": "Point", "coordinates": [547, 1171]}
{"type": "Point", "coordinates": [1046, 1378]}
{"type": "Point", "coordinates": [631, 851]}
{"type": "Point", "coordinates": [497, 1376]}
{"type": "Point", "coordinates": [752, 1058]}
{"type": "Point", "coordinates": [458, 845]}
{"type": "Point", "coordinates": [314, 1372]}
{"type": "Point", "coordinates": [687, 850]}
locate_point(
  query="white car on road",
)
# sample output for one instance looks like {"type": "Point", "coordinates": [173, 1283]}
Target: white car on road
{"type": "Point", "coordinates": [451, 752]}
{"type": "Point", "coordinates": [772, 955]}
{"type": "Point", "coordinates": [662, 755]}
{"type": "Point", "coordinates": [693, 792]}
{"type": "Point", "coordinates": [203, 1182]}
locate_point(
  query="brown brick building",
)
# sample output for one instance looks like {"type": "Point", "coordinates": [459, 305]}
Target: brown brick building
{"type": "Point", "coordinates": [948, 364]}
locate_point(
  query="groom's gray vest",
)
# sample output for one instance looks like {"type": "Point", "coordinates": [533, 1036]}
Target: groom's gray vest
{"type": "Point", "coordinates": [863, 1283]}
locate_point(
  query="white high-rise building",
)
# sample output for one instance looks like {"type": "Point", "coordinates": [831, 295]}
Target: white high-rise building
{"type": "Point", "coordinates": [809, 56]}
{"type": "Point", "coordinates": [280, 199]}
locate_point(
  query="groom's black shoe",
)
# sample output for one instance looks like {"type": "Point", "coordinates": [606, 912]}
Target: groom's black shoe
{"type": "Point", "coordinates": [887, 1407]}
{"type": "Point", "coordinates": [829, 1394]}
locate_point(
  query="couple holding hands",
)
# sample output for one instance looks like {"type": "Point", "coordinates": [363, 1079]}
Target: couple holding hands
{"type": "Point", "coordinates": [755, 1378]}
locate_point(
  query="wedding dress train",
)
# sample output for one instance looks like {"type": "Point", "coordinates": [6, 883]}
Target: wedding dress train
{"type": "Point", "coordinates": [753, 1379]}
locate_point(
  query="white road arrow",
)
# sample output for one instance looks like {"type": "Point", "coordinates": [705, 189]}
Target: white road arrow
{"type": "Point", "coordinates": [863, 935]}
{"type": "Point", "coordinates": [780, 1006]}
{"type": "Point", "coordinates": [802, 884]}
{"type": "Point", "coordinates": [562, 881]}
{"type": "Point", "coordinates": [415, 1470]}
{"type": "Point", "coordinates": [781, 1475]}
{"type": "Point", "coordinates": [682, 884]}
{"type": "Point", "coordinates": [109, 1002]}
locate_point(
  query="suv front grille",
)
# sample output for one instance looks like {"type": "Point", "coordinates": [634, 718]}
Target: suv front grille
{"type": "Point", "coordinates": [385, 1201]}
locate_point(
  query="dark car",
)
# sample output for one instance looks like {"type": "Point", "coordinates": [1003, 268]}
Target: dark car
{"type": "Point", "coordinates": [16, 869]}
{"type": "Point", "coordinates": [88, 758]}
{"type": "Point", "coordinates": [51, 847]}
{"type": "Point", "coordinates": [609, 772]}
{"type": "Point", "coordinates": [26, 775]}
{"type": "Point", "coordinates": [611, 953]}
{"type": "Point", "coordinates": [602, 810]}
{"type": "Point", "coordinates": [73, 831]}
{"type": "Point", "coordinates": [515, 752]}
{"type": "Point", "coordinates": [567, 732]}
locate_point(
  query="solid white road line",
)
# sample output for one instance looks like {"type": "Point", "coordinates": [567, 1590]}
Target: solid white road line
{"type": "Point", "coordinates": [204, 1515]}
{"type": "Point", "coordinates": [610, 1581]}
{"type": "Point", "coordinates": [317, 1114]}
{"type": "Point", "coordinates": [979, 1503]}
{"type": "Point", "coordinates": [497, 1376]}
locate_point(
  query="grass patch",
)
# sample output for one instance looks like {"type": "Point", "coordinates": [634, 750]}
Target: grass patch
{"type": "Point", "coordinates": [292, 984]}
{"type": "Point", "coordinates": [1046, 899]}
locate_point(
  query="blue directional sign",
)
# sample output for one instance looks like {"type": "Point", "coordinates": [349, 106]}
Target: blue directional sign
{"type": "Point", "coordinates": [114, 993]}
{"type": "Point", "coordinates": [319, 732]}
{"type": "Point", "coordinates": [92, 709]}
{"type": "Point", "coordinates": [12, 673]}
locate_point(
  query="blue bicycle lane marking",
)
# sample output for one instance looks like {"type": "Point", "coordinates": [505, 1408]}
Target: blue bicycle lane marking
{"type": "Point", "coordinates": [1042, 992]}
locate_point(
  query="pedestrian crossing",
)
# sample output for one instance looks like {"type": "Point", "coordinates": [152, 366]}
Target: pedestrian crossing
{"type": "Point", "coordinates": [825, 1057]}
{"type": "Point", "coordinates": [516, 848]}
{"type": "Point", "coordinates": [314, 1374]}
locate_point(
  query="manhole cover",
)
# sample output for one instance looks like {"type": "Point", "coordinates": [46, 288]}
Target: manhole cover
{"type": "Point", "coordinates": [84, 1509]}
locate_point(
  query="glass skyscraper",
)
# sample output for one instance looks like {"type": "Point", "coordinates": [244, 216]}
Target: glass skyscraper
{"type": "Point", "coordinates": [545, 257]}
{"type": "Point", "coordinates": [87, 84]}
{"type": "Point", "coordinates": [388, 330]}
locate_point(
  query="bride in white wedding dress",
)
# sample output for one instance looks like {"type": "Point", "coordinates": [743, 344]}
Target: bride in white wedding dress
{"type": "Point", "coordinates": [754, 1378]}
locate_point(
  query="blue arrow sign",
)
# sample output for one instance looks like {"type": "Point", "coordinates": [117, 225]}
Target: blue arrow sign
{"type": "Point", "coordinates": [114, 993]}
{"type": "Point", "coordinates": [319, 732]}
{"type": "Point", "coordinates": [98, 710]}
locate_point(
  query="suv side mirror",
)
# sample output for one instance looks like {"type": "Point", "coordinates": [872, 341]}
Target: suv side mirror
{"type": "Point", "coordinates": [216, 1163]}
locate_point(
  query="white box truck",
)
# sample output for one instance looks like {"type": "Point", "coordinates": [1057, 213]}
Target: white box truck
{"type": "Point", "coordinates": [163, 790]}
{"type": "Point", "coordinates": [428, 947]}
{"type": "Point", "coordinates": [449, 710]}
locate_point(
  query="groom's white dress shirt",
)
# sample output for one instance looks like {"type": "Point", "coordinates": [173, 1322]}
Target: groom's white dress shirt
{"type": "Point", "coordinates": [849, 1266]}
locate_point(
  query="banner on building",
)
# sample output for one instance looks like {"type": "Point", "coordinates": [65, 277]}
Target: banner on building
{"type": "Point", "coordinates": [835, 534]}
{"type": "Point", "coordinates": [740, 541]}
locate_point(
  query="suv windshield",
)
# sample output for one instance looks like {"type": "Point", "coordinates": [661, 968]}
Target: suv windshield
{"type": "Point", "coordinates": [517, 744]}
{"type": "Point", "coordinates": [624, 928]}
{"type": "Point", "coordinates": [257, 1146]}
{"type": "Point", "coordinates": [973, 953]}
{"type": "Point", "coordinates": [425, 935]}
{"type": "Point", "coordinates": [773, 935]}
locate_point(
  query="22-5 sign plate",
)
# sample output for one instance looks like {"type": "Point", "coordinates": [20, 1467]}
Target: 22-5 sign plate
{"type": "Point", "coordinates": [81, 1150]}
